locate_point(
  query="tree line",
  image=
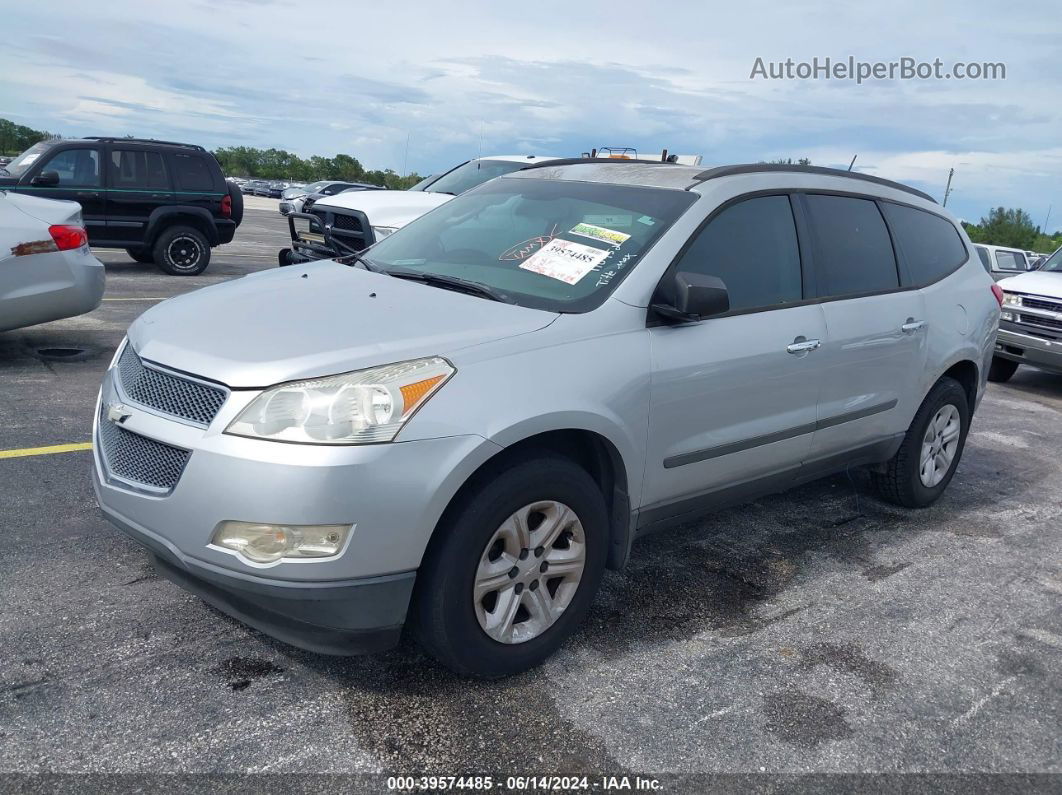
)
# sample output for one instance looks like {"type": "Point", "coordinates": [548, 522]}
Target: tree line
{"type": "Point", "coordinates": [246, 161]}
{"type": "Point", "coordinates": [1013, 227]}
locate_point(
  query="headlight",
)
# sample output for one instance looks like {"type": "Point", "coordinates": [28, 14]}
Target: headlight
{"type": "Point", "coordinates": [383, 231]}
{"type": "Point", "coordinates": [362, 407]}
{"type": "Point", "coordinates": [1012, 299]}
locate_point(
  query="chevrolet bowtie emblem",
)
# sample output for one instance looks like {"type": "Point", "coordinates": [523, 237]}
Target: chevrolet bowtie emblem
{"type": "Point", "coordinates": [117, 413]}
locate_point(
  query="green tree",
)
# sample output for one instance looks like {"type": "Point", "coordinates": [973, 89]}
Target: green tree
{"type": "Point", "coordinates": [1005, 227]}
{"type": "Point", "coordinates": [788, 161]}
{"type": "Point", "coordinates": [17, 138]}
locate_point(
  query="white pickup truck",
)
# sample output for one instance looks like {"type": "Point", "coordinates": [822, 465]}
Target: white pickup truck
{"type": "Point", "coordinates": [1030, 326]}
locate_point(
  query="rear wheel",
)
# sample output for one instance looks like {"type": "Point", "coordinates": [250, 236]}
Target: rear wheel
{"type": "Point", "coordinates": [182, 251]}
{"type": "Point", "coordinates": [923, 466]}
{"type": "Point", "coordinates": [1001, 369]}
{"type": "Point", "coordinates": [140, 254]}
{"type": "Point", "coordinates": [516, 570]}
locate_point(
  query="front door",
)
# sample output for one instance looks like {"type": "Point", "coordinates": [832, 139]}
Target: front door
{"type": "Point", "coordinates": [80, 180]}
{"type": "Point", "coordinates": [734, 398]}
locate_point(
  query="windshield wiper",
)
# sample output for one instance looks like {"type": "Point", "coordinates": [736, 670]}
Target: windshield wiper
{"type": "Point", "coordinates": [366, 263]}
{"type": "Point", "coordinates": [446, 192]}
{"type": "Point", "coordinates": [453, 283]}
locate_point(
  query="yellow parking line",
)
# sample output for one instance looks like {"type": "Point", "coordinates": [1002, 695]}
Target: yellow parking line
{"type": "Point", "coordinates": [55, 448]}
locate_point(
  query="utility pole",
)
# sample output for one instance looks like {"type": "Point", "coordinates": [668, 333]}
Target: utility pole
{"type": "Point", "coordinates": [947, 190]}
{"type": "Point", "coordinates": [1048, 218]}
{"type": "Point", "coordinates": [405, 160]}
{"type": "Point", "coordinates": [853, 162]}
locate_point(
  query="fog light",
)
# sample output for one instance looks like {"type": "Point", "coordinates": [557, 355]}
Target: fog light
{"type": "Point", "coordinates": [1006, 316]}
{"type": "Point", "coordinates": [268, 543]}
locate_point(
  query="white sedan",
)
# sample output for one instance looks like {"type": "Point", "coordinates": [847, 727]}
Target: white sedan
{"type": "Point", "coordinates": [46, 269]}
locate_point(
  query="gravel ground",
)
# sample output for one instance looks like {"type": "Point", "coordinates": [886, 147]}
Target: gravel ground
{"type": "Point", "coordinates": [816, 631]}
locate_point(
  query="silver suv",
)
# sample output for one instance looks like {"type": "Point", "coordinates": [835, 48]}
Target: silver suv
{"type": "Point", "coordinates": [461, 428]}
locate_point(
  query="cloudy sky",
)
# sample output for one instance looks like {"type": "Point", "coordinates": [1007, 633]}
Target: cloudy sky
{"type": "Point", "coordinates": [462, 78]}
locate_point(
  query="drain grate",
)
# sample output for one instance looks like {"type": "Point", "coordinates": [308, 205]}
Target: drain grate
{"type": "Point", "coordinates": [61, 354]}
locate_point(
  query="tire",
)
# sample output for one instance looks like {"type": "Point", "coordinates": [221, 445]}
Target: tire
{"type": "Point", "coordinates": [904, 481]}
{"type": "Point", "coordinates": [451, 623]}
{"type": "Point", "coordinates": [182, 251]}
{"type": "Point", "coordinates": [141, 254]}
{"type": "Point", "coordinates": [1001, 370]}
{"type": "Point", "coordinates": [237, 204]}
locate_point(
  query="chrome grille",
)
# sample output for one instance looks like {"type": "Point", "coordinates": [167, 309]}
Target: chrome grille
{"type": "Point", "coordinates": [136, 458]}
{"type": "Point", "coordinates": [169, 394]}
{"type": "Point", "coordinates": [1041, 303]}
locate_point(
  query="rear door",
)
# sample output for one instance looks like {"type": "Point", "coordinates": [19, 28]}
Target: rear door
{"type": "Point", "coordinates": [137, 183]}
{"type": "Point", "coordinates": [875, 351]}
{"type": "Point", "coordinates": [734, 397]}
{"type": "Point", "coordinates": [196, 183]}
{"type": "Point", "coordinates": [80, 180]}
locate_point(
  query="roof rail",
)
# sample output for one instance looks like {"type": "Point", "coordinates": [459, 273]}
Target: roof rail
{"type": "Point", "coordinates": [124, 139]}
{"type": "Point", "coordinates": [753, 168]}
{"type": "Point", "coordinates": [613, 161]}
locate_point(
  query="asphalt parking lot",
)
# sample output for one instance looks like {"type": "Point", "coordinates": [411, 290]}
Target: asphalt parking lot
{"type": "Point", "coordinates": [816, 631]}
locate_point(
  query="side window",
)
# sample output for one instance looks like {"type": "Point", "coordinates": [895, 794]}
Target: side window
{"type": "Point", "coordinates": [77, 168]}
{"type": "Point", "coordinates": [853, 250]}
{"type": "Point", "coordinates": [1009, 261]}
{"type": "Point", "coordinates": [752, 247]}
{"type": "Point", "coordinates": [985, 261]}
{"type": "Point", "coordinates": [931, 246]}
{"type": "Point", "coordinates": [192, 172]}
{"type": "Point", "coordinates": [135, 169]}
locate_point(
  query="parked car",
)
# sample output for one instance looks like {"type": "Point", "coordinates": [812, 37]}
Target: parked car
{"type": "Point", "coordinates": [1030, 327]}
{"type": "Point", "coordinates": [161, 201]}
{"type": "Point", "coordinates": [276, 188]}
{"type": "Point", "coordinates": [297, 202]}
{"type": "Point", "coordinates": [570, 356]}
{"type": "Point", "coordinates": [251, 186]}
{"type": "Point", "coordinates": [348, 223]}
{"type": "Point", "coordinates": [46, 269]}
{"type": "Point", "coordinates": [1001, 262]}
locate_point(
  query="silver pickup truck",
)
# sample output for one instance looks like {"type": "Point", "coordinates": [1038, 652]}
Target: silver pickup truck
{"type": "Point", "coordinates": [1030, 326]}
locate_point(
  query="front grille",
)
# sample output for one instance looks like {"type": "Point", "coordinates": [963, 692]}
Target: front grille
{"type": "Point", "coordinates": [1041, 303]}
{"type": "Point", "coordinates": [1036, 320]}
{"type": "Point", "coordinates": [136, 458]}
{"type": "Point", "coordinates": [167, 393]}
{"type": "Point", "coordinates": [348, 222]}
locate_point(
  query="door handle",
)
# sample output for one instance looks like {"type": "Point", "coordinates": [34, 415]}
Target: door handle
{"type": "Point", "coordinates": [88, 194]}
{"type": "Point", "coordinates": [802, 346]}
{"type": "Point", "coordinates": [912, 325]}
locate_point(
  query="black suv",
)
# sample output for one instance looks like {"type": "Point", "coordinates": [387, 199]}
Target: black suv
{"type": "Point", "coordinates": [163, 202]}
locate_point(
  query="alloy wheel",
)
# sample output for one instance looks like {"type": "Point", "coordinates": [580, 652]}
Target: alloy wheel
{"type": "Point", "coordinates": [939, 444]}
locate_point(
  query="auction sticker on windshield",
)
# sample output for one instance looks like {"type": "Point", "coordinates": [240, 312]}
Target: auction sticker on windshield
{"type": "Point", "coordinates": [600, 233]}
{"type": "Point", "coordinates": [563, 260]}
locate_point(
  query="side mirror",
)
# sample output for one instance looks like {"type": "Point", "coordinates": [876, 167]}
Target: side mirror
{"type": "Point", "coordinates": [694, 296]}
{"type": "Point", "coordinates": [46, 179]}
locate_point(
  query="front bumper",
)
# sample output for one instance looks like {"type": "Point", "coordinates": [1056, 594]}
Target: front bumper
{"type": "Point", "coordinates": [344, 618]}
{"type": "Point", "coordinates": [1027, 349]}
{"type": "Point", "coordinates": [391, 494]}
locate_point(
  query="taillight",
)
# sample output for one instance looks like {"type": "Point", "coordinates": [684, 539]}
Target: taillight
{"type": "Point", "coordinates": [226, 206]}
{"type": "Point", "coordinates": [68, 237]}
{"type": "Point", "coordinates": [997, 291]}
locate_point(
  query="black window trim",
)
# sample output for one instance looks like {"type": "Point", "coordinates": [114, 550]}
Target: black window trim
{"type": "Point", "coordinates": [37, 168]}
{"type": "Point", "coordinates": [807, 259]}
{"type": "Point", "coordinates": [139, 147]}
{"type": "Point", "coordinates": [901, 255]}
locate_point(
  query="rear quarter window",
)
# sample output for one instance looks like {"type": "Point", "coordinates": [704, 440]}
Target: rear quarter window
{"type": "Point", "coordinates": [930, 245]}
{"type": "Point", "coordinates": [192, 172]}
{"type": "Point", "coordinates": [982, 253]}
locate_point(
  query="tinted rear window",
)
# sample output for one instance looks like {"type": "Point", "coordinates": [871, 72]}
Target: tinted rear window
{"type": "Point", "coordinates": [133, 169]}
{"type": "Point", "coordinates": [752, 247]}
{"type": "Point", "coordinates": [983, 254]}
{"type": "Point", "coordinates": [193, 172]}
{"type": "Point", "coordinates": [853, 250]}
{"type": "Point", "coordinates": [931, 247]}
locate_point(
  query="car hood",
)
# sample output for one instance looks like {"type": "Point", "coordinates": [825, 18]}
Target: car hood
{"type": "Point", "coordinates": [1035, 283]}
{"type": "Point", "coordinates": [317, 319]}
{"type": "Point", "coordinates": [387, 207]}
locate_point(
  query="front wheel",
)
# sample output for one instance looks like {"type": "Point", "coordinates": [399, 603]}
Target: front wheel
{"type": "Point", "coordinates": [923, 466]}
{"type": "Point", "coordinates": [182, 251]}
{"type": "Point", "coordinates": [514, 570]}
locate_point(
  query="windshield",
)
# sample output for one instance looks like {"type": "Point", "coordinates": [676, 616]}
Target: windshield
{"type": "Point", "coordinates": [18, 166]}
{"type": "Point", "coordinates": [546, 244]}
{"type": "Point", "coordinates": [471, 174]}
{"type": "Point", "coordinates": [1054, 262]}
{"type": "Point", "coordinates": [424, 183]}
